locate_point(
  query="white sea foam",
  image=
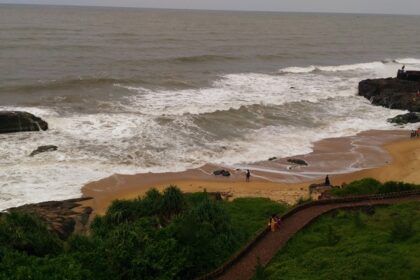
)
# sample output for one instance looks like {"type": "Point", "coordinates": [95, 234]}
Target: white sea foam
{"type": "Point", "coordinates": [408, 61]}
{"type": "Point", "coordinates": [236, 90]}
{"type": "Point", "coordinates": [171, 130]}
{"type": "Point", "coordinates": [386, 67]}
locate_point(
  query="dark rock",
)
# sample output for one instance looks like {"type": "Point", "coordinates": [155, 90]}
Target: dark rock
{"type": "Point", "coordinates": [84, 217]}
{"type": "Point", "coordinates": [221, 172]}
{"type": "Point", "coordinates": [60, 216]}
{"type": "Point", "coordinates": [217, 172]}
{"type": "Point", "coordinates": [67, 228]}
{"type": "Point", "coordinates": [406, 118]}
{"type": "Point", "coordinates": [43, 149]}
{"type": "Point", "coordinates": [392, 93]}
{"type": "Point", "coordinates": [409, 75]}
{"type": "Point", "coordinates": [272, 158]}
{"type": "Point", "coordinates": [297, 161]}
{"type": "Point", "coordinates": [14, 121]}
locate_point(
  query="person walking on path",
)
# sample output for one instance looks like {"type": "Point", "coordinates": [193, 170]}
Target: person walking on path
{"type": "Point", "coordinates": [248, 175]}
{"type": "Point", "coordinates": [273, 223]}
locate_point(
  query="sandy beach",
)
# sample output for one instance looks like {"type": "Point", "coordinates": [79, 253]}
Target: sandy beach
{"type": "Point", "coordinates": [383, 155]}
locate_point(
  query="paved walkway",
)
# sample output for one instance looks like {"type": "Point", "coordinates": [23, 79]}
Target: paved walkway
{"type": "Point", "coordinates": [267, 247]}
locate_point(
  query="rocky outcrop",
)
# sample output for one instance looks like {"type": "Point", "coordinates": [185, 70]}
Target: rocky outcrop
{"type": "Point", "coordinates": [297, 161]}
{"type": "Point", "coordinates": [43, 149]}
{"type": "Point", "coordinates": [221, 172]}
{"type": "Point", "coordinates": [14, 121]}
{"type": "Point", "coordinates": [61, 217]}
{"type": "Point", "coordinates": [392, 93]}
{"type": "Point", "coordinates": [406, 118]}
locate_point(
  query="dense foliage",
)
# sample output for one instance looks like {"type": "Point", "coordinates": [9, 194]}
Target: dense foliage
{"type": "Point", "coordinates": [372, 186]}
{"type": "Point", "coordinates": [167, 235]}
{"type": "Point", "coordinates": [353, 245]}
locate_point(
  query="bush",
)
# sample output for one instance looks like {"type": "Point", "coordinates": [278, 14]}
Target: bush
{"type": "Point", "coordinates": [173, 203]}
{"type": "Point", "coordinates": [26, 233]}
{"type": "Point", "coordinates": [208, 236]}
{"type": "Point", "coordinates": [372, 186]}
{"type": "Point", "coordinates": [392, 186]}
{"type": "Point", "coordinates": [166, 235]}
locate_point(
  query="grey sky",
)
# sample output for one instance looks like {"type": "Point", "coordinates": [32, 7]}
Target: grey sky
{"type": "Point", "coordinates": [346, 6]}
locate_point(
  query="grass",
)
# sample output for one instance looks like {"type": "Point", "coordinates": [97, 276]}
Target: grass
{"type": "Point", "coordinates": [354, 245]}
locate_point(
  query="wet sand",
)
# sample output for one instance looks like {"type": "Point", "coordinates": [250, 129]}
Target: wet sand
{"type": "Point", "coordinates": [384, 155]}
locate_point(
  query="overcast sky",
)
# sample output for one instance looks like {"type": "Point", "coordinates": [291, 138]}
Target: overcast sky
{"type": "Point", "coordinates": [343, 6]}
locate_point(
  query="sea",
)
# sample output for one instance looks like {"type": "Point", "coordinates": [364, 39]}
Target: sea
{"type": "Point", "coordinates": [140, 90]}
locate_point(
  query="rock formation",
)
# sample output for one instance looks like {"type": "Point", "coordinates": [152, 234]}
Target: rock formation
{"type": "Point", "coordinates": [14, 121]}
{"type": "Point", "coordinates": [43, 149]}
{"type": "Point", "coordinates": [392, 93]}
{"type": "Point", "coordinates": [406, 118]}
{"type": "Point", "coordinates": [61, 217]}
{"type": "Point", "coordinates": [221, 172]}
{"type": "Point", "coordinates": [297, 161]}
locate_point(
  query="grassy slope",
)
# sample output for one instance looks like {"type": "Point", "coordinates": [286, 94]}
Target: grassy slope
{"type": "Point", "coordinates": [354, 245]}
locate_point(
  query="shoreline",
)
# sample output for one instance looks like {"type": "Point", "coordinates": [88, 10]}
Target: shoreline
{"type": "Point", "coordinates": [383, 155]}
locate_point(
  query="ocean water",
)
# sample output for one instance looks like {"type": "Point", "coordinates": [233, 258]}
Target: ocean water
{"type": "Point", "coordinates": [132, 90]}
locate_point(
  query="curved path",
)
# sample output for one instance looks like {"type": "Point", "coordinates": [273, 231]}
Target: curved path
{"type": "Point", "coordinates": [266, 245]}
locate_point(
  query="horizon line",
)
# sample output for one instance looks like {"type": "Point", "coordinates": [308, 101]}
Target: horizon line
{"type": "Point", "coordinates": [209, 10]}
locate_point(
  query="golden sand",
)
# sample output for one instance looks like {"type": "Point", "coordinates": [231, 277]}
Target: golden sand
{"type": "Point", "coordinates": [404, 166]}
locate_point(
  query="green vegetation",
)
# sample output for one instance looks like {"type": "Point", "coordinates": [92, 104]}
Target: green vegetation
{"type": "Point", "coordinates": [354, 244]}
{"type": "Point", "coordinates": [167, 235]}
{"type": "Point", "coordinates": [372, 186]}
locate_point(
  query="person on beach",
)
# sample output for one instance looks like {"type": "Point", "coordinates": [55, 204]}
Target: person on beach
{"type": "Point", "coordinates": [247, 175]}
{"type": "Point", "coordinates": [327, 181]}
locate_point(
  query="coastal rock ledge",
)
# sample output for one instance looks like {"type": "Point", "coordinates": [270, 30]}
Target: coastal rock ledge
{"type": "Point", "coordinates": [16, 121]}
{"type": "Point", "coordinates": [392, 93]}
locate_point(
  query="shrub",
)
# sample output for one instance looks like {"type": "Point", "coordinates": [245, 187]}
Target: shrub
{"type": "Point", "coordinates": [372, 186]}
{"type": "Point", "coordinates": [396, 187]}
{"type": "Point", "coordinates": [173, 203]}
{"type": "Point", "coordinates": [26, 233]}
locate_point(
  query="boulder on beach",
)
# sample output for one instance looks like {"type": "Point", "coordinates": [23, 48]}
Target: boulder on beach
{"type": "Point", "coordinates": [297, 161]}
{"type": "Point", "coordinates": [392, 93]}
{"type": "Point", "coordinates": [15, 121]}
{"type": "Point", "coordinates": [43, 149]}
{"type": "Point", "coordinates": [221, 172]}
{"type": "Point", "coordinates": [406, 118]}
